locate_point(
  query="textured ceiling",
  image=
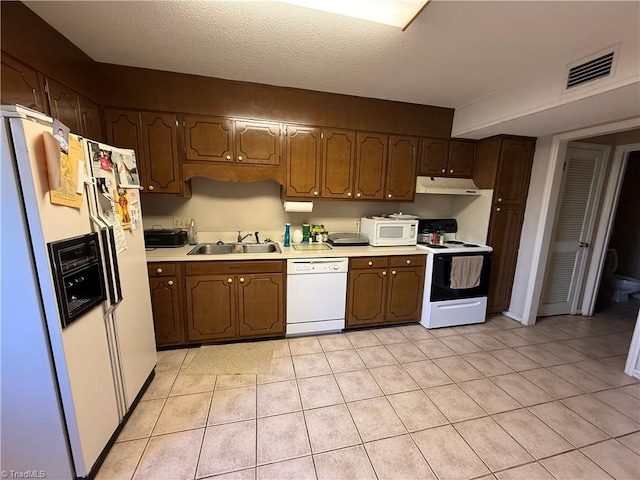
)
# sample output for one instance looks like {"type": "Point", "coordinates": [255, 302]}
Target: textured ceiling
{"type": "Point", "coordinates": [453, 53]}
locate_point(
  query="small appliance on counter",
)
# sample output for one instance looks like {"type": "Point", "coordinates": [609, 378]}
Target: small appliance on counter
{"type": "Point", "coordinates": [348, 239]}
{"type": "Point", "coordinates": [390, 231]}
{"type": "Point", "coordinates": [165, 238]}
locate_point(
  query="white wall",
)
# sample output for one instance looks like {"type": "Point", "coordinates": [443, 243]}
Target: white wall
{"type": "Point", "coordinates": [530, 226]}
{"type": "Point", "coordinates": [227, 207]}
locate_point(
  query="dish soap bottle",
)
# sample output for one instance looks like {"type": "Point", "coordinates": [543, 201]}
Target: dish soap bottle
{"type": "Point", "coordinates": [192, 234]}
{"type": "Point", "coordinates": [287, 235]}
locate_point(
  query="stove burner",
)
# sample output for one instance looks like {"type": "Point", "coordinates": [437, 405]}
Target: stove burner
{"type": "Point", "coordinates": [454, 242]}
{"type": "Point", "coordinates": [470, 245]}
{"type": "Point", "coordinates": [430, 245]}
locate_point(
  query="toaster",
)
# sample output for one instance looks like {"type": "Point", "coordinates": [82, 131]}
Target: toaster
{"type": "Point", "coordinates": [164, 238]}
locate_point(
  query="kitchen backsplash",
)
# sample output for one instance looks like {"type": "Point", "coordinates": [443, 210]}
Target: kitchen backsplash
{"type": "Point", "coordinates": [227, 206]}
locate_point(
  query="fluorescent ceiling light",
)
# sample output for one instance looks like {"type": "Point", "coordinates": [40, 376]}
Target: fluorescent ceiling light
{"type": "Point", "coordinates": [398, 13]}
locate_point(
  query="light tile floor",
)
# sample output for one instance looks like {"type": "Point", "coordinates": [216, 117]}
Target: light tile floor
{"type": "Point", "coordinates": [496, 400]}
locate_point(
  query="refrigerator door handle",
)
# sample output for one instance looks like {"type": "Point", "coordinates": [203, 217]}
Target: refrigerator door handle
{"type": "Point", "coordinates": [116, 270]}
{"type": "Point", "coordinates": [107, 265]}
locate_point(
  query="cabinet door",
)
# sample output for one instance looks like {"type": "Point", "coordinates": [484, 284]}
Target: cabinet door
{"type": "Point", "coordinates": [338, 163]}
{"type": "Point", "coordinates": [366, 299]}
{"type": "Point", "coordinates": [504, 236]}
{"type": "Point", "coordinates": [91, 121]}
{"type": "Point", "coordinates": [404, 298]}
{"type": "Point", "coordinates": [401, 168]}
{"type": "Point", "coordinates": [514, 171]}
{"type": "Point", "coordinates": [461, 155]}
{"type": "Point", "coordinates": [166, 303]}
{"type": "Point", "coordinates": [371, 161]}
{"type": "Point", "coordinates": [124, 130]}
{"type": "Point", "coordinates": [257, 143]}
{"type": "Point", "coordinates": [20, 84]}
{"type": "Point", "coordinates": [64, 104]}
{"type": "Point", "coordinates": [434, 157]}
{"type": "Point", "coordinates": [303, 153]}
{"type": "Point", "coordinates": [160, 146]}
{"type": "Point", "coordinates": [208, 139]}
{"type": "Point", "coordinates": [211, 308]}
{"type": "Point", "coordinates": [261, 304]}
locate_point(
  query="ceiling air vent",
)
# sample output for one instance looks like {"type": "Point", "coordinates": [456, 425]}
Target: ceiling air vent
{"type": "Point", "coordinates": [593, 69]}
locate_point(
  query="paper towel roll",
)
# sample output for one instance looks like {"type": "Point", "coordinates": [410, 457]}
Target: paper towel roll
{"type": "Point", "coordinates": [298, 206]}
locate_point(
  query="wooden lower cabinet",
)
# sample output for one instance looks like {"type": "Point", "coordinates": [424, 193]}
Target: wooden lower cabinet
{"type": "Point", "coordinates": [383, 290]}
{"type": "Point", "coordinates": [165, 286]}
{"type": "Point", "coordinates": [234, 300]}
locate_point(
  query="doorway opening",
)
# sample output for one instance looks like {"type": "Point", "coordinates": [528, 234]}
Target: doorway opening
{"type": "Point", "coordinates": [618, 292]}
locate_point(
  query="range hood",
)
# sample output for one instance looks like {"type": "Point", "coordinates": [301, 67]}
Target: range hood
{"type": "Point", "coordinates": [446, 186]}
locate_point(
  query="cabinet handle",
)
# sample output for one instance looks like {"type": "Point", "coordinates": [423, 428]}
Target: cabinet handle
{"type": "Point", "coordinates": [241, 279]}
{"type": "Point", "coordinates": [170, 283]}
{"type": "Point", "coordinates": [389, 195]}
{"type": "Point", "coordinates": [370, 263]}
{"type": "Point", "coordinates": [358, 194]}
{"type": "Point", "coordinates": [240, 158]}
{"type": "Point", "coordinates": [315, 194]}
{"type": "Point", "coordinates": [393, 272]}
{"type": "Point", "coordinates": [349, 194]}
{"type": "Point", "coordinates": [408, 262]}
{"type": "Point", "coordinates": [228, 157]}
{"type": "Point", "coordinates": [150, 187]}
{"type": "Point", "coordinates": [230, 280]}
{"type": "Point", "coordinates": [498, 209]}
{"type": "Point", "coordinates": [451, 171]}
{"type": "Point", "coordinates": [444, 170]}
{"type": "Point", "coordinates": [384, 272]}
{"type": "Point", "coordinates": [159, 270]}
{"type": "Point", "coordinates": [500, 199]}
{"type": "Point", "coordinates": [141, 187]}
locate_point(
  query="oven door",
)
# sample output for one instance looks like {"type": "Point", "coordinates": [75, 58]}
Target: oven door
{"type": "Point", "coordinates": [441, 277]}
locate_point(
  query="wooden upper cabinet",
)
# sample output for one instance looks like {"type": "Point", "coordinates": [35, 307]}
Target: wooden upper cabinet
{"type": "Point", "coordinates": [91, 119]}
{"type": "Point", "coordinates": [160, 147]}
{"type": "Point", "coordinates": [20, 84]}
{"type": "Point", "coordinates": [64, 104]}
{"type": "Point", "coordinates": [401, 168]}
{"type": "Point", "coordinates": [303, 149]}
{"type": "Point", "coordinates": [461, 156]}
{"type": "Point", "coordinates": [514, 171]}
{"type": "Point", "coordinates": [124, 130]}
{"type": "Point", "coordinates": [338, 163]}
{"type": "Point", "coordinates": [208, 139]}
{"type": "Point", "coordinates": [371, 162]}
{"type": "Point", "coordinates": [434, 157]}
{"type": "Point", "coordinates": [257, 142]}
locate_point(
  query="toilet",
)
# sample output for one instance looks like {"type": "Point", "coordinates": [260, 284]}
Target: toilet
{"type": "Point", "coordinates": [619, 286]}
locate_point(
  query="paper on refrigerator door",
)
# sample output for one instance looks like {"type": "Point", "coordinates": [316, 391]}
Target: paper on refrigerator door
{"type": "Point", "coordinates": [67, 173]}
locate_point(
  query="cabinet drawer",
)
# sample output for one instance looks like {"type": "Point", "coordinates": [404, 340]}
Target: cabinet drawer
{"type": "Point", "coordinates": [212, 268]}
{"type": "Point", "coordinates": [407, 260]}
{"type": "Point", "coordinates": [369, 262]}
{"type": "Point", "coordinates": [161, 269]}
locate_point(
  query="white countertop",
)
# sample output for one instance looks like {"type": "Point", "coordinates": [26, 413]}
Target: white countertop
{"type": "Point", "coordinates": [180, 254]}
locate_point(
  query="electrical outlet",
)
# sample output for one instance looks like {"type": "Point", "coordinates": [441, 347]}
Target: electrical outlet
{"type": "Point", "coordinates": [181, 222]}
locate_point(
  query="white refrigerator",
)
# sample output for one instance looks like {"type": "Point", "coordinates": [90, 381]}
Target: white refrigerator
{"type": "Point", "coordinates": [65, 389]}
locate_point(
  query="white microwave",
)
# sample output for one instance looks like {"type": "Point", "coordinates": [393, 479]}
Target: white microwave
{"type": "Point", "coordinates": [387, 232]}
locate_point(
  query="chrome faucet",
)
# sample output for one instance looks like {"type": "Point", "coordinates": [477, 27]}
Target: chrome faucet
{"type": "Point", "coordinates": [241, 238]}
{"type": "Point", "coordinates": [255, 235]}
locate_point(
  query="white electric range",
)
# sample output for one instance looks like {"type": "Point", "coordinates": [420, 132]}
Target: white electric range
{"type": "Point", "coordinates": [456, 278]}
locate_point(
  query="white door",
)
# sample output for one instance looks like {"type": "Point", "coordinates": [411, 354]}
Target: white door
{"type": "Point", "coordinates": [580, 189]}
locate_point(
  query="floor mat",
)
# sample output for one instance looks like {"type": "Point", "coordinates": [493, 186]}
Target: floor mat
{"type": "Point", "coordinates": [232, 359]}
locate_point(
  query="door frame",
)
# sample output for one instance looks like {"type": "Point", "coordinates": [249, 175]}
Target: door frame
{"type": "Point", "coordinates": [550, 197]}
{"type": "Point", "coordinates": [604, 225]}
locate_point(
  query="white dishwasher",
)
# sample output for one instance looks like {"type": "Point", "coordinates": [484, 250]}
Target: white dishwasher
{"type": "Point", "coordinates": [316, 295]}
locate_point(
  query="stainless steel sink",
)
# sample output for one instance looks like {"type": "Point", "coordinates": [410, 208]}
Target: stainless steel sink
{"type": "Point", "coordinates": [211, 249]}
{"type": "Point", "coordinates": [218, 249]}
{"type": "Point", "coordinates": [261, 248]}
